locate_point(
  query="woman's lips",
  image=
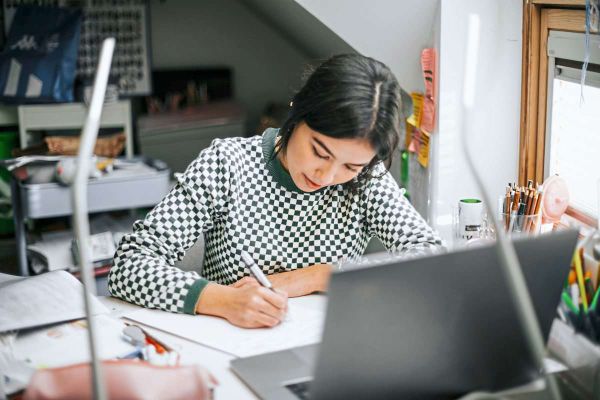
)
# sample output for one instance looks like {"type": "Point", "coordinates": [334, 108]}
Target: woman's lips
{"type": "Point", "coordinates": [310, 183]}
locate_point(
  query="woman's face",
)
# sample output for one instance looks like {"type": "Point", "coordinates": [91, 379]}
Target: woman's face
{"type": "Point", "coordinates": [314, 160]}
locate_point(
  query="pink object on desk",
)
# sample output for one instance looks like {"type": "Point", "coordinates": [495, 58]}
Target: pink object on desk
{"type": "Point", "coordinates": [556, 198]}
{"type": "Point", "coordinates": [124, 379]}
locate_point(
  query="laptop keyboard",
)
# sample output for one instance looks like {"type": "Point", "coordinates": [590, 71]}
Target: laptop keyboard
{"type": "Point", "coordinates": [300, 389]}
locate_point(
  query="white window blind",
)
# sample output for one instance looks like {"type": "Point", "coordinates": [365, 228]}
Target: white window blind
{"type": "Point", "coordinates": [575, 138]}
{"type": "Point", "coordinates": [573, 125]}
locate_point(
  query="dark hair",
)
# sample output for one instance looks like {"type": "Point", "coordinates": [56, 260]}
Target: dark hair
{"type": "Point", "coordinates": [349, 96]}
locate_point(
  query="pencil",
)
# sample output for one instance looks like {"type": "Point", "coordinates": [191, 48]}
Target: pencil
{"type": "Point", "coordinates": [539, 198]}
{"type": "Point", "coordinates": [595, 301]}
{"type": "Point", "coordinates": [515, 202]}
{"type": "Point", "coordinates": [589, 288]}
{"type": "Point", "coordinates": [569, 302]}
{"type": "Point", "coordinates": [580, 283]}
{"type": "Point", "coordinates": [528, 210]}
{"type": "Point", "coordinates": [507, 207]}
{"type": "Point", "coordinates": [572, 277]}
{"type": "Point", "coordinates": [531, 202]}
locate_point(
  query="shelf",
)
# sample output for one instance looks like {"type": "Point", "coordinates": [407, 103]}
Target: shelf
{"type": "Point", "coordinates": [72, 116]}
{"type": "Point", "coordinates": [129, 188]}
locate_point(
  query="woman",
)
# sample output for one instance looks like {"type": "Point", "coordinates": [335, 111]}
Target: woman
{"type": "Point", "coordinates": [298, 200]}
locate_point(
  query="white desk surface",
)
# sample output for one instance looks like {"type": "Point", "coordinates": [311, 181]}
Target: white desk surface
{"type": "Point", "coordinates": [217, 362]}
{"type": "Point", "coordinates": [230, 386]}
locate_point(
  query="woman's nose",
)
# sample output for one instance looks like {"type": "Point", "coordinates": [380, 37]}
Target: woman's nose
{"type": "Point", "coordinates": [325, 175]}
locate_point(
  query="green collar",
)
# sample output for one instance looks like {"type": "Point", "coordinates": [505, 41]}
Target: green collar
{"type": "Point", "coordinates": [274, 166]}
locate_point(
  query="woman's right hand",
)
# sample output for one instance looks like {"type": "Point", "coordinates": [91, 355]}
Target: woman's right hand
{"type": "Point", "coordinates": [248, 306]}
{"type": "Point", "coordinates": [253, 306]}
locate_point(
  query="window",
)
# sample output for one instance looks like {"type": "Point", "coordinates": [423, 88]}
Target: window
{"type": "Point", "coordinates": [573, 127]}
{"type": "Point", "coordinates": [558, 133]}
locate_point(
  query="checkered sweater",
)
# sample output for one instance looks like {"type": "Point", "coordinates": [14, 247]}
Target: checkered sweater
{"type": "Point", "coordinates": [240, 198]}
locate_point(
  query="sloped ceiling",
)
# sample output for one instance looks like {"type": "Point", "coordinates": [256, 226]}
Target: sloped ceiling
{"type": "Point", "coordinates": [393, 31]}
{"type": "Point", "coordinates": [307, 33]}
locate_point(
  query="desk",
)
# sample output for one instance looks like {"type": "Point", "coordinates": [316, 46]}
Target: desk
{"type": "Point", "coordinates": [231, 387]}
{"type": "Point", "coordinates": [216, 361]}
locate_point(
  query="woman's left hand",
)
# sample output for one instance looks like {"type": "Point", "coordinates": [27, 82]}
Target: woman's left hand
{"type": "Point", "coordinates": [247, 280]}
{"type": "Point", "coordinates": [296, 283]}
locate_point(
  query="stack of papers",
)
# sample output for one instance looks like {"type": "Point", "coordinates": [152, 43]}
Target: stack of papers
{"type": "Point", "coordinates": [42, 300]}
{"type": "Point", "coordinates": [67, 344]}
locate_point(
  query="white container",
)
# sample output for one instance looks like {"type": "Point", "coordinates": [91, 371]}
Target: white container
{"type": "Point", "coordinates": [470, 218]}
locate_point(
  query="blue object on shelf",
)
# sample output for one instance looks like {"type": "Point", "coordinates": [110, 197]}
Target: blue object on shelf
{"type": "Point", "coordinates": [40, 58]}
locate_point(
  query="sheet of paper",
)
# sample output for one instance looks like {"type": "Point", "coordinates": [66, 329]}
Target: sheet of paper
{"type": "Point", "coordinates": [429, 100]}
{"type": "Point", "coordinates": [7, 278]}
{"type": "Point", "coordinates": [415, 143]}
{"type": "Point", "coordinates": [423, 156]}
{"type": "Point", "coordinates": [303, 326]}
{"type": "Point", "coordinates": [408, 136]}
{"type": "Point", "coordinates": [67, 344]}
{"type": "Point", "coordinates": [429, 71]}
{"type": "Point", "coordinates": [417, 103]}
{"type": "Point", "coordinates": [55, 251]}
{"type": "Point", "coordinates": [41, 300]}
{"type": "Point", "coordinates": [428, 119]}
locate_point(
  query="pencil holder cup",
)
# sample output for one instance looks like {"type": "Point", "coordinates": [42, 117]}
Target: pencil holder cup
{"type": "Point", "coordinates": [520, 224]}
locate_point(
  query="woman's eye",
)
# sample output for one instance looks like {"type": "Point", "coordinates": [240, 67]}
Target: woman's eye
{"type": "Point", "coordinates": [319, 155]}
{"type": "Point", "coordinates": [351, 169]}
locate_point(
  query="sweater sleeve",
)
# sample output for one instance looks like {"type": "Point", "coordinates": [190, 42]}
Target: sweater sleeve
{"type": "Point", "coordinates": [392, 218]}
{"type": "Point", "coordinates": [143, 271]}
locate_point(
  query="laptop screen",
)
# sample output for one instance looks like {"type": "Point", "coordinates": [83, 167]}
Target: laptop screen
{"type": "Point", "coordinates": [438, 326]}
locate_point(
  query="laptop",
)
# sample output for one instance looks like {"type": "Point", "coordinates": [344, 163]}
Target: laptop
{"type": "Point", "coordinates": [434, 327]}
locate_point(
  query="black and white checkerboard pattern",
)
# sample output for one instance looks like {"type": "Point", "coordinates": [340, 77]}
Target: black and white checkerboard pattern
{"type": "Point", "coordinates": [229, 195]}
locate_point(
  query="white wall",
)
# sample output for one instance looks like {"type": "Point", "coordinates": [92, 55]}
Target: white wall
{"type": "Point", "coordinates": [395, 32]}
{"type": "Point", "coordinates": [189, 34]}
{"type": "Point", "coordinates": [494, 126]}
{"type": "Point", "coordinates": [391, 31]}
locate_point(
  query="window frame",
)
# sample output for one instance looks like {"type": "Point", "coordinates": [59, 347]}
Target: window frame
{"type": "Point", "coordinates": [539, 18]}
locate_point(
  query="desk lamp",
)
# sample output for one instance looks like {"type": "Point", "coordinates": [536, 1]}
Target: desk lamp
{"type": "Point", "coordinates": [79, 200]}
{"type": "Point", "coordinates": [507, 256]}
